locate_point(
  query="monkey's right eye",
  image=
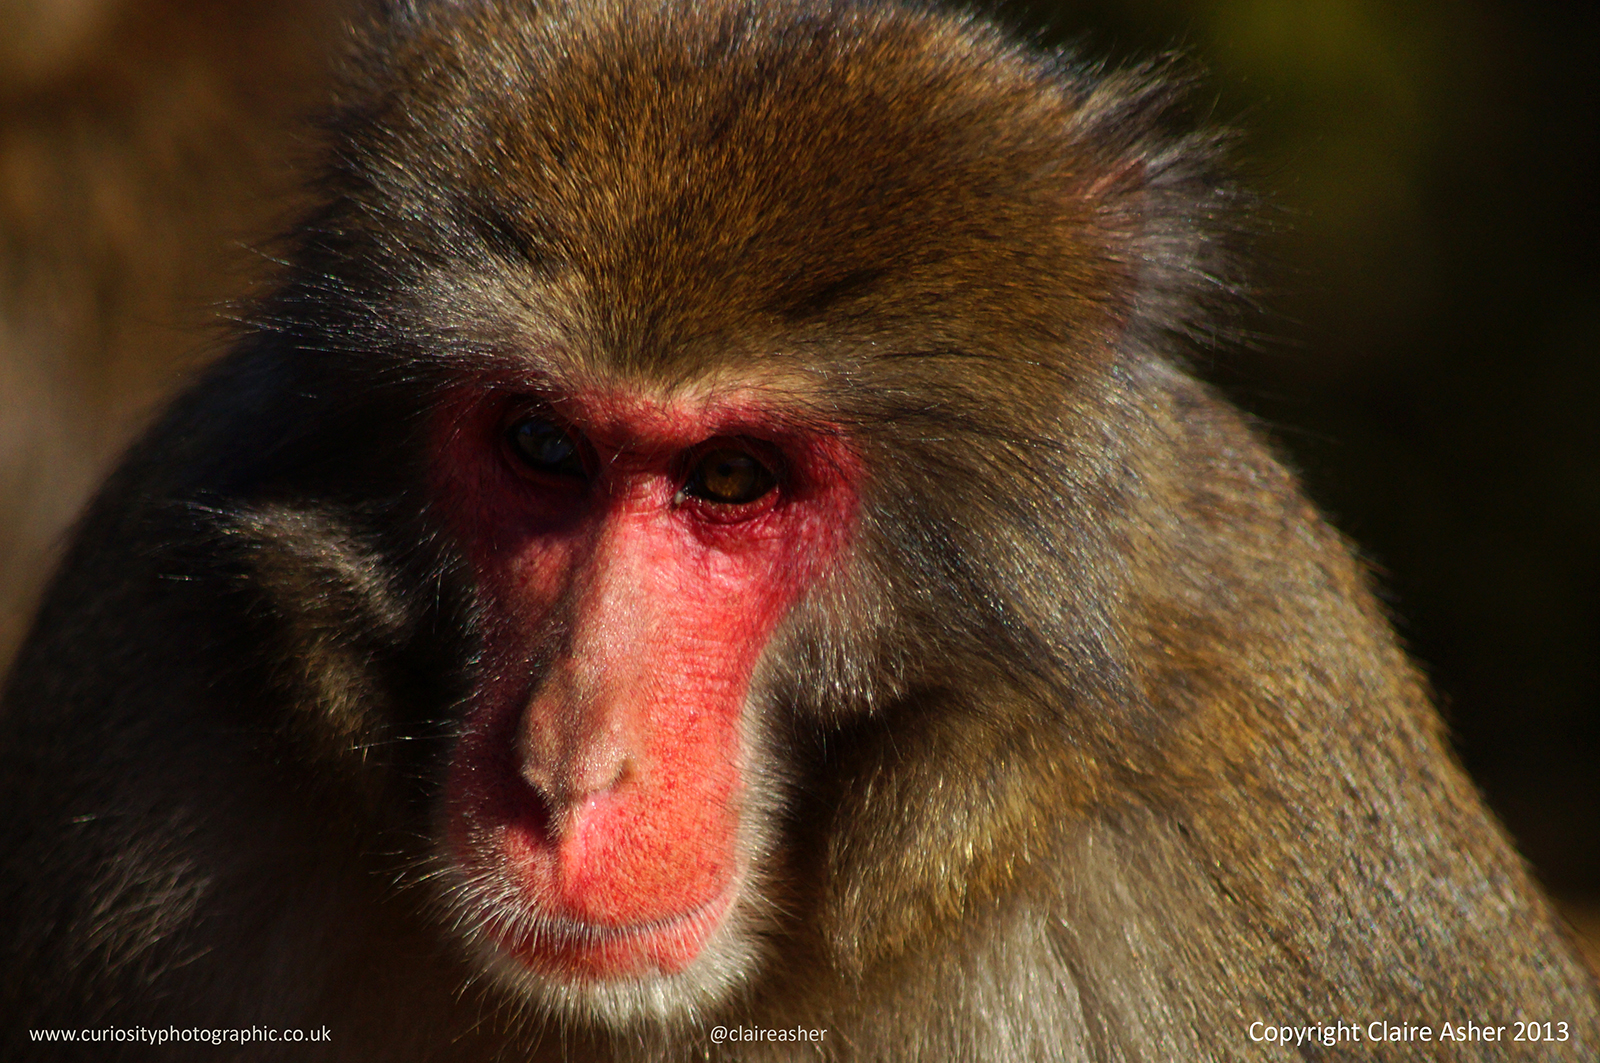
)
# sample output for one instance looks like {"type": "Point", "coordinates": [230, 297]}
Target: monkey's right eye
{"type": "Point", "coordinates": [546, 447]}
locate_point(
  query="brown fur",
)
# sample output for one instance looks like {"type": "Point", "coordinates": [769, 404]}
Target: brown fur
{"type": "Point", "coordinates": [1096, 746]}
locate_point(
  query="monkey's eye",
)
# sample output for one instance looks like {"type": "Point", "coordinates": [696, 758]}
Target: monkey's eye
{"type": "Point", "coordinates": [729, 477]}
{"type": "Point", "coordinates": [545, 446]}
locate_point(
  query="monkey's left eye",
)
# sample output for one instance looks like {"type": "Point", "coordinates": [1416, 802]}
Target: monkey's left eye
{"type": "Point", "coordinates": [729, 477]}
{"type": "Point", "coordinates": [545, 446]}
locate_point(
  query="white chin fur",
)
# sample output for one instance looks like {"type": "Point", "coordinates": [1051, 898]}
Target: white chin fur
{"type": "Point", "coordinates": [725, 964]}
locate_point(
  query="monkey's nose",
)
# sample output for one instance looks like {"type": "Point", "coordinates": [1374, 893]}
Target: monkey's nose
{"type": "Point", "coordinates": [563, 784]}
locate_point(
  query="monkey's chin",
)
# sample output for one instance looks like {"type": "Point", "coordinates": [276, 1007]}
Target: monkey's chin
{"type": "Point", "coordinates": [668, 971]}
{"type": "Point", "coordinates": [578, 950]}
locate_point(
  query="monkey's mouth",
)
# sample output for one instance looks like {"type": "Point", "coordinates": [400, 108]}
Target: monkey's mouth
{"type": "Point", "coordinates": [581, 950]}
{"type": "Point", "coordinates": [630, 882]}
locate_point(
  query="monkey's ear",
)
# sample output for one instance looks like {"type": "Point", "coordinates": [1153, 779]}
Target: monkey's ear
{"type": "Point", "coordinates": [1199, 228]}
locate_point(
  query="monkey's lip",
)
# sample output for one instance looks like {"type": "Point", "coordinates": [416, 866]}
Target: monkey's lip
{"type": "Point", "coordinates": [579, 949]}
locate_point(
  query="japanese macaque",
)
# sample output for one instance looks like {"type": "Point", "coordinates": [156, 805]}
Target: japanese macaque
{"type": "Point", "coordinates": [711, 529]}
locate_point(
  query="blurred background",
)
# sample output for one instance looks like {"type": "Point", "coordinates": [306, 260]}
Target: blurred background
{"type": "Point", "coordinates": [1430, 362]}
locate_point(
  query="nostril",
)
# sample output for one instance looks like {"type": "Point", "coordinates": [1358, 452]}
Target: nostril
{"type": "Point", "coordinates": [545, 803]}
{"type": "Point", "coordinates": [560, 789]}
{"type": "Point", "coordinates": [546, 784]}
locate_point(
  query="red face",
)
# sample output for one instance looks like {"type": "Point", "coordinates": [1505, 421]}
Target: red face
{"type": "Point", "coordinates": [634, 556]}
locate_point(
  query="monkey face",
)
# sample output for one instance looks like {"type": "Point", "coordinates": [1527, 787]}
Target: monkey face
{"type": "Point", "coordinates": [633, 557]}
